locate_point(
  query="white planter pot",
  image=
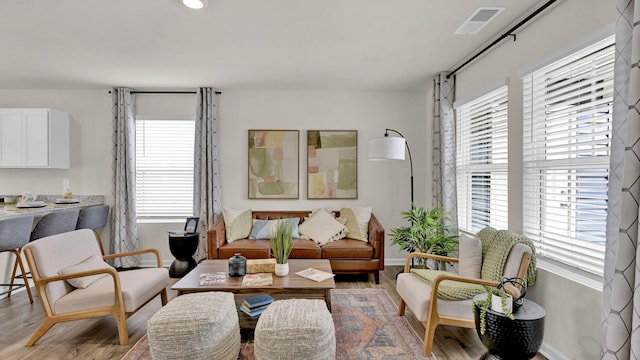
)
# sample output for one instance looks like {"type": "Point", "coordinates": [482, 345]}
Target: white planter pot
{"type": "Point", "coordinates": [282, 269]}
{"type": "Point", "coordinates": [496, 304]}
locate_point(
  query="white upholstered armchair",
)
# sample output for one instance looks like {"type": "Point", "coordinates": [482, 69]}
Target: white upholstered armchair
{"type": "Point", "coordinates": [74, 282]}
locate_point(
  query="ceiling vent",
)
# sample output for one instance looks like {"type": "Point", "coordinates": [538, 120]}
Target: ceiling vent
{"type": "Point", "coordinates": [478, 20]}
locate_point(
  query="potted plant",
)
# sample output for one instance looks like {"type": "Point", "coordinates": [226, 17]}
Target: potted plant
{"type": "Point", "coordinates": [426, 233]}
{"type": "Point", "coordinates": [281, 239]}
{"type": "Point", "coordinates": [505, 299]}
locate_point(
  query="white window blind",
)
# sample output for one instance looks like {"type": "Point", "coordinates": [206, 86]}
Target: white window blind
{"type": "Point", "coordinates": [567, 115]}
{"type": "Point", "coordinates": [482, 159]}
{"type": "Point", "coordinates": [164, 168]}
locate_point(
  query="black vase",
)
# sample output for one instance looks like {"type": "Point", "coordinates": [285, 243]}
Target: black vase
{"type": "Point", "coordinates": [237, 265]}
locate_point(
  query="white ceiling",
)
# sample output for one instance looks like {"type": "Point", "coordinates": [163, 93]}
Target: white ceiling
{"type": "Point", "coordinates": [391, 45]}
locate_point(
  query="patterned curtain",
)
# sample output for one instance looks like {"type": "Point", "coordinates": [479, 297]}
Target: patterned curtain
{"type": "Point", "coordinates": [124, 229]}
{"type": "Point", "coordinates": [621, 292]}
{"type": "Point", "coordinates": [444, 148]}
{"type": "Point", "coordinates": [207, 195]}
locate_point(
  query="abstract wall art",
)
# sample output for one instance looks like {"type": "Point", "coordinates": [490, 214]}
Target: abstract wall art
{"type": "Point", "coordinates": [332, 164]}
{"type": "Point", "coordinates": [273, 164]}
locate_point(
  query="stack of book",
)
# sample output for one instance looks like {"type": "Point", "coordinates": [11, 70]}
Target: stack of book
{"type": "Point", "coordinates": [255, 305]}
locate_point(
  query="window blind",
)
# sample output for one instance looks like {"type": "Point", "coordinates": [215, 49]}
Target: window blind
{"type": "Point", "coordinates": [164, 168]}
{"type": "Point", "coordinates": [482, 160]}
{"type": "Point", "coordinates": [567, 129]}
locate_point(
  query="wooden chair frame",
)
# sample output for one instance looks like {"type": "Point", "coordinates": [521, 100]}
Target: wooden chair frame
{"type": "Point", "coordinates": [117, 310]}
{"type": "Point", "coordinates": [433, 317]}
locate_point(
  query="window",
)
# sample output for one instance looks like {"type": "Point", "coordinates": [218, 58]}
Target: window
{"type": "Point", "coordinates": [567, 115]}
{"type": "Point", "coordinates": [482, 159]}
{"type": "Point", "coordinates": [164, 168]}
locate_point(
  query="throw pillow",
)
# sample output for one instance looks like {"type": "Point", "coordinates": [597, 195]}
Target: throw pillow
{"type": "Point", "coordinates": [357, 221]}
{"type": "Point", "coordinates": [237, 223]}
{"type": "Point", "coordinates": [470, 255]}
{"type": "Point", "coordinates": [91, 263]}
{"type": "Point", "coordinates": [322, 228]}
{"type": "Point", "coordinates": [262, 228]}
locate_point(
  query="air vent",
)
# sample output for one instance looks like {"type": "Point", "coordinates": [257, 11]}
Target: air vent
{"type": "Point", "coordinates": [478, 20]}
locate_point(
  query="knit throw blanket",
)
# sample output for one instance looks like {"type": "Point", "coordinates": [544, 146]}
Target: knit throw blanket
{"type": "Point", "coordinates": [448, 289]}
{"type": "Point", "coordinates": [499, 242]}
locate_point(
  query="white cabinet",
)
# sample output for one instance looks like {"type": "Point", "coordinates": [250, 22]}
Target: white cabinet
{"type": "Point", "coordinates": [34, 138]}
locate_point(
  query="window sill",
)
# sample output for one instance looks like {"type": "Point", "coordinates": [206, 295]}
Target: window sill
{"type": "Point", "coordinates": [575, 275]}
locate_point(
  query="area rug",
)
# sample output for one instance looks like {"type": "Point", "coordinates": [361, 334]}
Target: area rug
{"type": "Point", "coordinates": [367, 327]}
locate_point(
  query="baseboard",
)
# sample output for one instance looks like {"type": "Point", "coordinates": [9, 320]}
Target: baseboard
{"type": "Point", "coordinates": [550, 353]}
{"type": "Point", "coordinates": [153, 263]}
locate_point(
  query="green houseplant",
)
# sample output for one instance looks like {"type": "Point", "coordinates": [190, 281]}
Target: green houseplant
{"type": "Point", "coordinates": [426, 233]}
{"type": "Point", "coordinates": [505, 307]}
{"type": "Point", "coordinates": [281, 240]}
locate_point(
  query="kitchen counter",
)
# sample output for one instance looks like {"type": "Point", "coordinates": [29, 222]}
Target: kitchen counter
{"type": "Point", "coordinates": [9, 210]}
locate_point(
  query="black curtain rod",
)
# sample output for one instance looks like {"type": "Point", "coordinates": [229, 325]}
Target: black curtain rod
{"type": "Point", "coordinates": [506, 34]}
{"type": "Point", "coordinates": [165, 92]}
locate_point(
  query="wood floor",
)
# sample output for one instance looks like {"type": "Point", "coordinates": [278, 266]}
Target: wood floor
{"type": "Point", "coordinates": [98, 338]}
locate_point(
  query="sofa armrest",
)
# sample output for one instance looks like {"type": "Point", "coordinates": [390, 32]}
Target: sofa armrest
{"type": "Point", "coordinates": [216, 237]}
{"type": "Point", "coordinates": [376, 239]}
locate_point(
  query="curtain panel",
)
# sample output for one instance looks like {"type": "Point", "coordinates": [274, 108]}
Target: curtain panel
{"type": "Point", "coordinates": [444, 148]}
{"type": "Point", "coordinates": [124, 228]}
{"type": "Point", "coordinates": [621, 290]}
{"type": "Point", "coordinates": [207, 194]}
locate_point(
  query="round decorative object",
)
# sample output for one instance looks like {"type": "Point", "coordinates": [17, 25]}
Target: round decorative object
{"type": "Point", "coordinates": [237, 265]}
{"type": "Point", "coordinates": [282, 269]}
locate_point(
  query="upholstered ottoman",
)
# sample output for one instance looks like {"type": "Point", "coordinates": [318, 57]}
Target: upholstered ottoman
{"type": "Point", "coordinates": [196, 326]}
{"type": "Point", "coordinates": [295, 329]}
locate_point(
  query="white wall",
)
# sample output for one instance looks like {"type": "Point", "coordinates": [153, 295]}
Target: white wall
{"type": "Point", "coordinates": [382, 185]}
{"type": "Point", "coordinates": [572, 329]}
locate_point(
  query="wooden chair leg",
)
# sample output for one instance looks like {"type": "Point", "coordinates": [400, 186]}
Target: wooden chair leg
{"type": "Point", "coordinates": [429, 332]}
{"type": "Point", "coordinates": [123, 331]}
{"type": "Point", "coordinates": [24, 276]}
{"type": "Point", "coordinates": [13, 273]}
{"type": "Point", "coordinates": [401, 307]}
{"type": "Point", "coordinates": [40, 331]}
{"type": "Point", "coordinates": [163, 296]}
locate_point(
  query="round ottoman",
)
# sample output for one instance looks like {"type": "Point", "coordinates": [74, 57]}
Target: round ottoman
{"type": "Point", "coordinates": [196, 326]}
{"type": "Point", "coordinates": [295, 329]}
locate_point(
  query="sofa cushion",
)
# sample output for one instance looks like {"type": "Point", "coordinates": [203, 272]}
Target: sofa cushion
{"type": "Point", "coordinates": [251, 249]}
{"type": "Point", "coordinates": [237, 223]}
{"type": "Point", "coordinates": [305, 249]}
{"type": "Point", "coordinates": [93, 262]}
{"type": "Point", "coordinates": [138, 286]}
{"type": "Point", "coordinates": [262, 229]}
{"type": "Point", "coordinates": [357, 221]}
{"type": "Point", "coordinates": [322, 228]}
{"type": "Point", "coordinates": [470, 255]}
{"type": "Point", "coordinates": [347, 249]}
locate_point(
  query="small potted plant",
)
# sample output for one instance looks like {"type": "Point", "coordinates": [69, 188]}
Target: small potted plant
{"type": "Point", "coordinates": [426, 233]}
{"type": "Point", "coordinates": [281, 240]}
{"type": "Point", "coordinates": [504, 299]}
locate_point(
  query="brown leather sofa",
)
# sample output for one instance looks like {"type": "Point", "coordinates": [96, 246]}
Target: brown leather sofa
{"type": "Point", "coordinates": [347, 256]}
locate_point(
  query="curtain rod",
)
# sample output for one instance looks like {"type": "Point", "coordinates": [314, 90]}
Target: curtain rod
{"type": "Point", "coordinates": [165, 92]}
{"type": "Point", "coordinates": [506, 34]}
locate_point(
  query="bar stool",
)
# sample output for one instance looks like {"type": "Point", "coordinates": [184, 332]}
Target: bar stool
{"type": "Point", "coordinates": [94, 218]}
{"type": "Point", "coordinates": [14, 234]}
{"type": "Point", "coordinates": [55, 223]}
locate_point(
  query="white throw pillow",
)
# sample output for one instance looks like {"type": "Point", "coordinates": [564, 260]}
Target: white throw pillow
{"type": "Point", "coordinates": [470, 255]}
{"type": "Point", "coordinates": [91, 263]}
{"type": "Point", "coordinates": [357, 221]}
{"type": "Point", "coordinates": [237, 223]}
{"type": "Point", "coordinates": [322, 228]}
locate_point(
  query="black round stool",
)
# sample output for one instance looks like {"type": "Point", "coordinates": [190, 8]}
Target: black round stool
{"type": "Point", "coordinates": [515, 339]}
{"type": "Point", "coordinates": [182, 248]}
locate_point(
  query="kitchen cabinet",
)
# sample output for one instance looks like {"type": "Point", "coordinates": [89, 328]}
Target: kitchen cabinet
{"type": "Point", "coordinates": [34, 138]}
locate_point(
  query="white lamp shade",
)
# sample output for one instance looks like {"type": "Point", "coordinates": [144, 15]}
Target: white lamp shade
{"type": "Point", "coordinates": [195, 4]}
{"type": "Point", "coordinates": [386, 148]}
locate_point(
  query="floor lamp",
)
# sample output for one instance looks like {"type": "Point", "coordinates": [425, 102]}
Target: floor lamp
{"type": "Point", "coordinates": [391, 148]}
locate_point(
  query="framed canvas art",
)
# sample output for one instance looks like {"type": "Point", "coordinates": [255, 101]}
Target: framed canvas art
{"type": "Point", "coordinates": [274, 164]}
{"type": "Point", "coordinates": [332, 164]}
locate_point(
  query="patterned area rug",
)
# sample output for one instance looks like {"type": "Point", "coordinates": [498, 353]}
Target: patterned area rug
{"type": "Point", "coordinates": [367, 327]}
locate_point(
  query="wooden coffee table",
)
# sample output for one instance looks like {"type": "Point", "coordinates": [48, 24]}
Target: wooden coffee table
{"type": "Point", "coordinates": [286, 287]}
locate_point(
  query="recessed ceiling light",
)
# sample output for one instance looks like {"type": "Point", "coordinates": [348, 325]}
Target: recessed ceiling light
{"type": "Point", "coordinates": [195, 4]}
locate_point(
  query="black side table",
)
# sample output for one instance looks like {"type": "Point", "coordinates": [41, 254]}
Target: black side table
{"type": "Point", "coordinates": [183, 247]}
{"type": "Point", "coordinates": [516, 339]}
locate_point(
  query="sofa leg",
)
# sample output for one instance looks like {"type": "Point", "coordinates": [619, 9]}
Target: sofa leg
{"type": "Point", "coordinates": [376, 276]}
